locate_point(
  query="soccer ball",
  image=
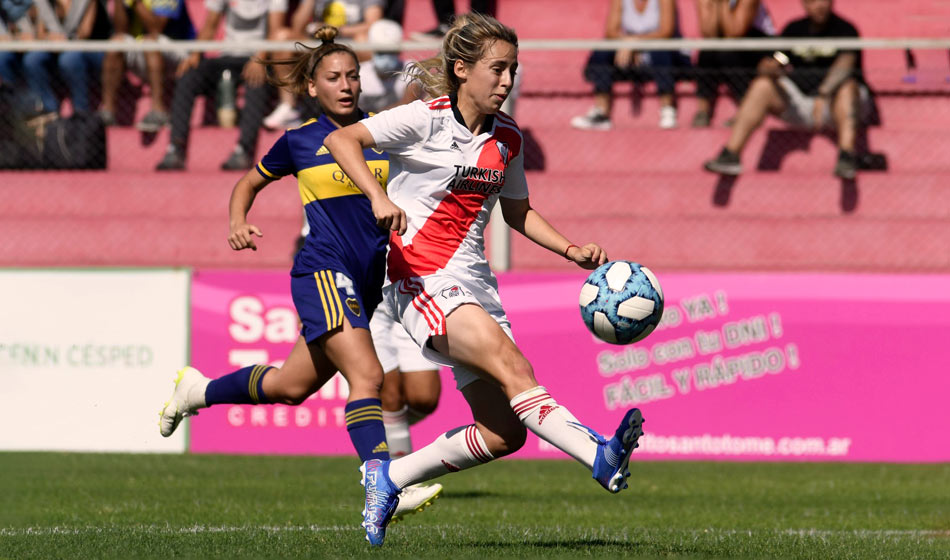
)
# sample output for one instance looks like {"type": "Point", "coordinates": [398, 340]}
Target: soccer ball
{"type": "Point", "coordinates": [621, 302]}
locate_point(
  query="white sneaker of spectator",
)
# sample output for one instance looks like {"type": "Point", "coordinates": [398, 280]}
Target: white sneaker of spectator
{"type": "Point", "coordinates": [283, 116]}
{"type": "Point", "coordinates": [595, 119]}
{"type": "Point", "coordinates": [667, 117]}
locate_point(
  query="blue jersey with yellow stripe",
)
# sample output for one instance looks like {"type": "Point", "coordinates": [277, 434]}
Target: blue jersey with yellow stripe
{"type": "Point", "coordinates": [343, 229]}
{"type": "Point", "coordinates": [340, 269]}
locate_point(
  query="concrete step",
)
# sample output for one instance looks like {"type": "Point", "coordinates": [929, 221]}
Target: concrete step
{"type": "Point", "coordinates": [750, 243]}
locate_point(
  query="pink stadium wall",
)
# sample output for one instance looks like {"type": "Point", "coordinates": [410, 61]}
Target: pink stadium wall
{"type": "Point", "coordinates": [637, 190]}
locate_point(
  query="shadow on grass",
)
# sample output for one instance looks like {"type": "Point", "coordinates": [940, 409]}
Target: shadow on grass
{"type": "Point", "coordinates": [471, 494]}
{"type": "Point", "coordinates": [599, 546]}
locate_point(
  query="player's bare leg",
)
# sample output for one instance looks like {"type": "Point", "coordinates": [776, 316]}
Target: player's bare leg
{"type": "Point", "coordinates": [476, 340]}
{"type": "Point", "coordinates": [304, 372]}
{"type": "Point", "coordinates": [421, 391]}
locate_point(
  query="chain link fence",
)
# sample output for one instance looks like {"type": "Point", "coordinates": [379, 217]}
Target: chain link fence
{"type": "Point", "coordinates": [624, 156]}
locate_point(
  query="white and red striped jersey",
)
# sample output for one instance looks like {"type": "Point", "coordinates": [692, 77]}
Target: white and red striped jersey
{"type": "Point", "coordinates": [447, 180]}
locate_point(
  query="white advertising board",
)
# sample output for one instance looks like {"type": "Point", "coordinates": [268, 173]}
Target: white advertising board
{"type": "Point", "coordinates": [88, 357]}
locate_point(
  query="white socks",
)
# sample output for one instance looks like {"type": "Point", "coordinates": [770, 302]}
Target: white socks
{"type": "Point", "coordinates": [555, 424]}
{"type": "Point", "coordinates": [464, 447]}
{"type": "Point", "coordinates": [397, 432]}
{"type": "Point", "coordinates": [453, 451]}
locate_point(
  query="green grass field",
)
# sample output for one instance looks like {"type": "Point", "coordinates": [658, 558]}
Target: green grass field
{"type": "Point", "coordinates": [199, 506]}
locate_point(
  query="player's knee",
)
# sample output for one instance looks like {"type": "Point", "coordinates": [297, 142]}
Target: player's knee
{"type": "Point", "coordinates": [506, 439]}
{"type": "Point", "coordinates": [367, 381]}
{"type": "Point", "coordinates": [518, 374]}
{"type": "Point", "coordinates": [423, 406]}
{"type": "Point", "coordinates": [423, 402]}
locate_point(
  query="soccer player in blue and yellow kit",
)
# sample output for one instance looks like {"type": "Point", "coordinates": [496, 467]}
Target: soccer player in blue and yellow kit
{"type": "Point", "coordinates": [337, 276]}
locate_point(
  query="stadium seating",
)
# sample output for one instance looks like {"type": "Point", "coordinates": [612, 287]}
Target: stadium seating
{"type": "Point", "coordinates": [637, 190]}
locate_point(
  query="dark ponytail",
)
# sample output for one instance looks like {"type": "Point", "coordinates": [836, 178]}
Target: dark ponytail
{"type": "Point", "coordinates": [305, 61]}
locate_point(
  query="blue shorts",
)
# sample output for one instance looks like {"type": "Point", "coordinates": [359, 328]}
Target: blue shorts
{"type": "Point", "coordinates": [325, 297]}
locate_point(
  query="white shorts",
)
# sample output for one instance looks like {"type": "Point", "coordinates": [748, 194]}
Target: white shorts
{"type": "Point", "coordinates": [422, 304]}
{"type": "Point", "coordinates": [394, 348]}
{"type": "Point", "coordinates": [800, 108]}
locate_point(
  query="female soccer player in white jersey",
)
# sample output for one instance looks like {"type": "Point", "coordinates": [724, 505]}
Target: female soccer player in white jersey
{"type": "Point", "coordinates": [451, 159]}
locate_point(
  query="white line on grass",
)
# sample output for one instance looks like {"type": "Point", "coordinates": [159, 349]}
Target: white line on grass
{"type": "Point", "coordinates": [207, 529]}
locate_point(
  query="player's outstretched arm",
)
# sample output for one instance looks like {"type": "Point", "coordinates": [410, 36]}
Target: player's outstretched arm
{"type": "Point", "coordinates": [524, 219]}
{"type": "Point", "coordinates": [242, 197]}
{"type": "Point", "coordinates": [346, 145]}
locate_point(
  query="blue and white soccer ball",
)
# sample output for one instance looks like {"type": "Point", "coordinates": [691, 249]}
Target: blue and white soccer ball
{"type": "Point", "coordinates": [621, 302]}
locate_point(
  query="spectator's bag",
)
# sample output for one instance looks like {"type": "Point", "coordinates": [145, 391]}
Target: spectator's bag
{"type": "Point", "coordinates": [18, 148]}
{"type": "Point", "coordinates": [75, 142]}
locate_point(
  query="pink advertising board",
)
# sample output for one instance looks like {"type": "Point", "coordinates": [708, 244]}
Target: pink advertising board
{"type": "Point", "coordinates": [771, 367]}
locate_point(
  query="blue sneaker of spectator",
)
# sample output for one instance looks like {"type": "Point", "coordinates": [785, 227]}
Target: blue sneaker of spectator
{"type": "Point", "coordinates": [613, 456]}
{"type": "Point", "coordinates": [382, 497]}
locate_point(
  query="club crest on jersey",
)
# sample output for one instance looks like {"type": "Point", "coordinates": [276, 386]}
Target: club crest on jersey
{"type": "Point", "coordinates": [504, 151]}
{"type": "Point", "coordinates": [454, 291]}
{"type": "Point", "coordinates": [354, 307]}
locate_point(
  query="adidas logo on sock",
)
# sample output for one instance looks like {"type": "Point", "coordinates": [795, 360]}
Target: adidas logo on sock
{"type": "Point", "coordinates": [381, 448]}
{"type": "Point", "coordinates": [450, 467]}
{"type": "Point", "coordinates": [544, 411]}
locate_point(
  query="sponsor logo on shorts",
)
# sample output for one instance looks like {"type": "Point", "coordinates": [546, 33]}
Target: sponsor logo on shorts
{"type": "Point", "coordinates": [544, 411]}
{"type": "Point", "coordinates": [451, 292]}
{"type": "Point", "coordinates": [353, 305]}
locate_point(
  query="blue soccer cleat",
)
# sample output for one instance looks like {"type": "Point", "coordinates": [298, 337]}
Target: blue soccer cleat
{"type": "Point", "coordinates": [613, 456]}
{"type": "Point", "coordinates": [382, 497]}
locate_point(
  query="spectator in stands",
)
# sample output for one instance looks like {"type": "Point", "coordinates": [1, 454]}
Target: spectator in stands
{"type": "Point", "coordinates": [353, 18]}
{"type": "Point", "coordinates": [31, 20]}
{"type": "Point", "coordinates": [813, 87]}
{"type": "Point", "coordinates": [634, 19]}
{"type": "Point", "coordinates": [135, 20]}
{"type": "Point", "coordinates": [445, 13]}
{"type": "Point", "coordinates": [85, 20]}
{"type": "Point", "coordinates": [248, 20]}
{"type": "Point", "coordinates": [730, 19]}
{"type": "Point", "coordinates": [41, 19]}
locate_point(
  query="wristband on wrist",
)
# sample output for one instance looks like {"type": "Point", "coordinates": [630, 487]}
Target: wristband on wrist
{"type": "Point", "coordinates": [568, 249]}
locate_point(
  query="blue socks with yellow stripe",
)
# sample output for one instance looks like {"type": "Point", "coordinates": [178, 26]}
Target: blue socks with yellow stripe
{"type": "Point", "coordinates": [364, 422]}
{"type": "Point", "coordinates": [243, 386]}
